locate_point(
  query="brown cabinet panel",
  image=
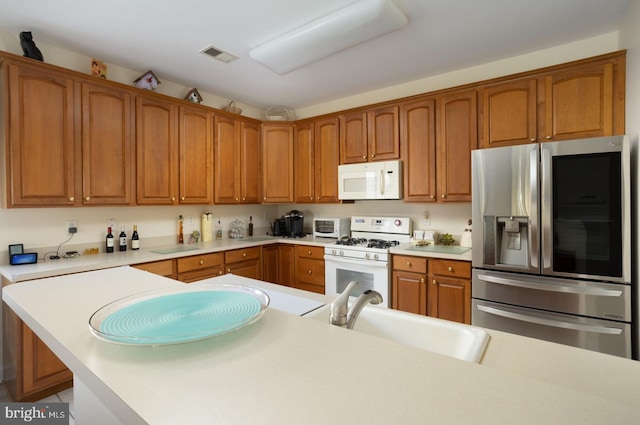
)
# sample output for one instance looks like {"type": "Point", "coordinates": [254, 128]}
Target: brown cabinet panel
{"type": "Point", "coordinates": [409, 292]}
{"type": "Point", "coordinates": [107, 145]}
{"type": "Point", "coordinates": [244, 254]}
{"type": "Point", "coordinates": [250, 165]}
{"type": "Point", "coordinates": [278, 264]}
{"type": "Point", "coordinates": [41, 166]}
{"type": "Point", "coordinates": [196, 275]}
{"type": "Point", "coordinates": [308, 251]}
{"type": "Point", "coordinates": [270, 263]}
{"type": "Point", "coordinates": [304, 163]}
{"type": "Point", "coordinates": [165, 268]}
{"type": "Point", "coordinates": [196, 156]}
{"type": "Point", "coordinates": [199, 262]}
{"type": "Point", "coordinates": [277, 162]}
{"type": "Point", "coordinates": [457, 136]}
{"type": "Point", "coordinates": [453, 268]}
{"type": "Point", "coordinates": [251, 269]}
{"type": "Point", "coordinates": [353, 138]}
{"type": "Point", "coordinates": [450, 299]}
{"type": "Point", "coordinates": [156, 151]}
{"type": "Point", "coordinates": [327, 156]}
{"type": "Point", "coordinates": [309, 268]}
{"type": "Point", "coordinates": [418, 141]}
{"type": "Point", "coordinates": [508, 113]}
{"type": "Point", "coordinates": [383, 133]}
{"type": "Point", "coordinates": [409, 263]}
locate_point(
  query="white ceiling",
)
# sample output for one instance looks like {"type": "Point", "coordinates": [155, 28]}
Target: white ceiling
{"type": "Point", "coordinates": [166, 36]}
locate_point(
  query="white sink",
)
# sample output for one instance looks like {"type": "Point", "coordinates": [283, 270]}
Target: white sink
{"type": "Point", "coordinates": [440, 336]}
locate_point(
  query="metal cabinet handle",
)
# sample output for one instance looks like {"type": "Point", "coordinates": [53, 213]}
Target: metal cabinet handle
{"type": "Point", "coordinates": [422, 280]}
{"type": "Point", "coordinates": [244, 254]}
{"type": "Point", "coordinates": [364, 156]}
{"type": "Point", "coordinates": [533, 140]}
{"type": "Point", "coordinates": [228, 270]}
{"type": "Point", "coordinates": [373, 155]}
{"type": "Point", "coordinates": [450, 268]}
{"type": "Point", "coordinates": [201, 262]}
{"type": "Point", "coordinates": [71, 198]}
{"type": "Point", "coordinates": [443, 196]}
{"type": "Point", "coordinates": [435, 282]}
{"type": "Point", "coordinates": [88, 198]}
{"type": "Point", "coordinates": [173, 199]}
{"type": "Point", "coordinates": [408, 263]}
{"type": "Point", "coordinates": [309, 252]}
{"type": "Point", "coordinates": [309, 272]}
{"type": "Point", "coordinates": [549, 137]}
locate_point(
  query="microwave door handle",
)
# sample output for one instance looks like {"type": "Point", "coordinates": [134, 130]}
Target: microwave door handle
{"type": "Point", "coordinates": [550, 322]}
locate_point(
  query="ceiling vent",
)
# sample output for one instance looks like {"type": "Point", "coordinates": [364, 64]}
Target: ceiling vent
{"type": "Point", "coordinates": [218, 54]}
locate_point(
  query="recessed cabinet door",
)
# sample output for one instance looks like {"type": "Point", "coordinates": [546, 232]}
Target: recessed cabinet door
{"type": "Point", "coordinates": [409, 292]}
{"type": "Point", "coordinates": [450, 299]}
{"type": "Point", "coordinates": [107, 146]}
{"type": "Point", "coordinates": [508, 114]}
{"type": "Point", "coordinates": [250, 163]}
{"type": "Point", "coordinates": [353, 138]}
{"type": "Point", "coordinates": [157, 151]}
{"type": "Point", "coordinates": [227, 160]}
{"type": "Point", "coordinates": [277, 160]}
{"type": "Point", "coordinates": [418, 126]}
{"type": "Point", "coordinates": [383, 133]}
{"type": "Point", "coordinates": [304, 163]}
{"type": "Point", "coordinates": [457, 136]}
{"type": "Point", "coordinates": [326, 160]}
{"type": "Point", "coordinates": [196, 156]}
{"type": "Point", "coordinates": [41, 139]}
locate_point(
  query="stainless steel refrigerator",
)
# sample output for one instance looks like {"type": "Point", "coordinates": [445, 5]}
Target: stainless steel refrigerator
{"type": "Point", "coordinates": [552, 242]}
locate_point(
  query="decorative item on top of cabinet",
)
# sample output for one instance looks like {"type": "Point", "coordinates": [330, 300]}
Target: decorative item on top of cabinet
{"type": "Point", "coordinates": [98, 68]}
{"type": "Point", "coordinates": [29, 47]}
{"type": "Point", "coordinates": [277, 163]}
{"type": "Point", "coordinates": [237, 158]}
{"type": "Point", "coordinates": [194, 96]}
{"type": "Point", "coordinates": [147, 81]}
{"type": "Point", "coordinates": [457, 136]}
{"type": "Point", "coordinates": [418, 144]}
{"type": "Point", "coordinates": [309, 268]}
{"type": "Point", "coordinates": [371, 135]}
{"type": "Point", "coordinates": [449, 290]}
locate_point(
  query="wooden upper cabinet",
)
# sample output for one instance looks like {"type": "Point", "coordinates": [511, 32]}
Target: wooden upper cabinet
{"type": "Point", "coordinates": [418, 136]}
{"type": "Point", "coordinates": [383, 133]}
{"type": "Point", "coordinates": [304, 163]}
{"type": "Point", "coordinates": [508, 113]}
{"type": "Point", "coordinates": [107, 145]}
{"type": "Point", "coordinates": [237, 159]}
{"type": "Point", "coordinates": [584, 102]}
{"type": "Point", "coordinates": [457, 136]}
{"type": "Point", "coordinates": [277, 162]}
{"type": "Point", "coordinates": [326, 135]}
{"type": "Point", "coordinates": [196, 156]}
{"type": "Point", "coordinates": [41, 166]}
{"type": "Point", "coordinates": [157, 151]}
{"type": "Point", "coordinates": [353, 138]}
{"type": "Point", "coordinates": [371, 135]}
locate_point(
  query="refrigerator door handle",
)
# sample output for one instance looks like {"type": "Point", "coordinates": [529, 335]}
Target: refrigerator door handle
{"type": "Point", "coordinates": [550, 322]}
{"type": "Point", "coordinates": [533, 228]}
{"type": "Point", "coordinates": [600, 292]}
{"type": "Point", "coordinates": [545, 210]}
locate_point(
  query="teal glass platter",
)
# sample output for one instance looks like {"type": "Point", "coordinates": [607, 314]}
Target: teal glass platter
{"type": "Point", "coordinates": [178, 315]}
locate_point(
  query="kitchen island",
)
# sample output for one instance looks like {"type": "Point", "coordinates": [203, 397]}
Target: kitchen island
{"type": "Point", "coordinates": [286, 369]}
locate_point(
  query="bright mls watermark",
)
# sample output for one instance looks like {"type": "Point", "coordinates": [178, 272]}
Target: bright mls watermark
{"type": "Point", "coordinates": [34, 413]}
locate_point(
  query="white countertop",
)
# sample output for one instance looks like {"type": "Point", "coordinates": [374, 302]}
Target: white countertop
{"type": "Point", "coordinates": [84, 263]}
{"type": "Point", "coordinates": [285, 369]}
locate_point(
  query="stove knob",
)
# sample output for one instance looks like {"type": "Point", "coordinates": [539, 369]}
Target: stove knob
{"type": "Point", "coordinates": [341, 253]}
{"type": "Point", "coordinates": [366, 256]}
{"type": "Point", "coordinates": [375, 257]}
{"type": "Point", "coordinates": [333, 252]}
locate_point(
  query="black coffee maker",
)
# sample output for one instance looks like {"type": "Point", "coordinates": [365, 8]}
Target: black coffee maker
{"type": "Point", "coordinates": [294, 221]}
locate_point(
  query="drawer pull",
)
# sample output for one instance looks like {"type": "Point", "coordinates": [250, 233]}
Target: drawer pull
{"type": "Point", "coordinates": [71, 199]}
{"type": "Point", "coordinates": [450, 269]}
{"type": "Point", "coordinates": [308, 252]}
{"type": "Point", "coordinates": [422, 280]}
{"type": "Point", "coordinates": [173, 199]}
{"type": "Point", "coordinates": [88, 198]}
{"type": "Point", "coordinates": [244, 254]}
{"type": "Point", "coordinates": [309, 272]}
{"type": "Point", "coordinates": [229, 270]}
{"type": "Point", "coordinates": [201, 262]}
{"type": "Point", "coordinates": [408, 263]}
{"type": "Point", "coordinates": [435, 282]}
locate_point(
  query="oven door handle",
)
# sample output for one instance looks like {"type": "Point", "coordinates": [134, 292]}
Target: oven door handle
{"type": "Point", "coordinates": [600, 292]}
{"type": "Point", "coordinates": [549, 322]}
{"type": "Point", "coordinates": [356, 262]}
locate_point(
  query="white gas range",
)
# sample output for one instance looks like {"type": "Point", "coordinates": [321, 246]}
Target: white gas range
{"type": "Point", "coordinates": [365, 255]}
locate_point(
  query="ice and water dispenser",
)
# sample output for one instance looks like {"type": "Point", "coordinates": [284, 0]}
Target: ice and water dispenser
{"type": "Point", "coordinates": [506, 241]}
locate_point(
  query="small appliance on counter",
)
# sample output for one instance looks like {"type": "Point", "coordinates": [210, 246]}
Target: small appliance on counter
{"type": "Point", "coordinates": [279, 227]}
{"type": "Point", "coordinates": [294, 221]}
{"type": "Point", "coordinates": [330, 227]}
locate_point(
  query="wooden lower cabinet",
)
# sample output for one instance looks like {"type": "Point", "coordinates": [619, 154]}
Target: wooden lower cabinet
{"type": "Point", "coordinates": [198, 267]}
{"type": "Point", "coordinates": [166, 268]}
{"type": "Point", "coordinates": [31, 370]}
{"type": "Point", "coordinates": [278, 264]}
{"type": "Point", "coordinates": [244, 262]}
{"type": "Point", "coordinates": [309, 268]}
{"type": "Point", "coordinates": [434, 287]}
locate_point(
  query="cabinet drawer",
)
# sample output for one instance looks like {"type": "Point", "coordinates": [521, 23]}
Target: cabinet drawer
{"type": "Point", "coordinates": [199, 262]}
{"type": "Point", "coordinates": [409, 263]}
{"type": "Point", "coordinates": [162, 268]}
{"type": "Point", "coordinates": [306, 251]}
{"type": "Point", "coordinates": [195, 275]}
{"type": "Point", "coordinates": [311, 271]}
{"type": "Point", "coordinates": [244, 254]}
{"type": "Point", "coordinates": [450, 268]}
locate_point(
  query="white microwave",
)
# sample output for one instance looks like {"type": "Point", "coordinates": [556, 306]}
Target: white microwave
{"type": "Point", "coordinates": [370, 180]}
{"type": "Point", "coordinates": [331, 227]}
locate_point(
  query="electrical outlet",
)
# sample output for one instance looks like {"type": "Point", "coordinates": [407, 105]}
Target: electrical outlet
{"type": "Point", "coordinates": [112, 222]}
{"type": "Point", "coordinates": [72, 226]}
{"type": "Point", "coordinates": [426, 219]}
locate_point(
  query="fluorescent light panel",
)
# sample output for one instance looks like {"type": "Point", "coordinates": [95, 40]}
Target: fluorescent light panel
{"type": "Point", "coordinates": [333, 33]}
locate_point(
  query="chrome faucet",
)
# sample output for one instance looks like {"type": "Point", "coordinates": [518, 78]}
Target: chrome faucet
{"type": "Point", "coordinates": [346, 317]}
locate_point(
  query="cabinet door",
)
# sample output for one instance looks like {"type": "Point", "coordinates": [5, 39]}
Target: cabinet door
{"type": "Point", "coordinates": [226, 158]}
{"type": "Point", "coordinates": [304, 163]}
{"type": "Point", "coordinates": [270, 263]}
{"type": "Point", "coordinates": [353, 138]}
{"type": "Point", "coordinates": [251, 269]}
{"type": "Point", "coordinates": [277, 162]}
{"type": "Point", "coordinates": [579, 103]}
{"type": "Point", "coordinates": [41, 368]}
{"type": "Point", "coordinates": [450, 299]}
{"type": "Point", "coordinates": [383, 133]}
{"type": "Point", "coordinates": [250, 165]}
{"type": "Point", "coordinates": [107, 145]}
{"type": "Point", "coordinates": [508, 114]}
{"type": "Point", "coordinates": [196, 156]}
{"type": "Point", "coordinates": [41, 140]}
{"type": "Point", "coordinates": [326, 160]}
{"type": "Point", "coordinates": [419, 150]}
{"type": "Point", "coordinates": [286, 265]}
{"type": "Point", "coordinates": [157, 151]}
{"type": "Point", "coordinates": [457, 136]}
{"type": "Point", "coordinates": [409, 292]}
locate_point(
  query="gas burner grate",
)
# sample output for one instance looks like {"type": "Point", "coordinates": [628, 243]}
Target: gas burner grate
{"type": "Point", "coordinates": [351, 241]}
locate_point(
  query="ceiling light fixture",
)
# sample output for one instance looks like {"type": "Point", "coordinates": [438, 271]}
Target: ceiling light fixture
{"type": "Point", "coordinates": [330, 34]}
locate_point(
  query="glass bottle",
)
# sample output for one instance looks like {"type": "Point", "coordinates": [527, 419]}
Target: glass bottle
{"type": "Point", "coordinates": [180, 229]}
{"type": "Point", "coordinates": [250, 226]}
{"type": "Point", "coordinates": [135, 239]}
{"type": "Point", "coordinates": [123, 239]}
{"type": "Point", "coordinates": [110, 240]}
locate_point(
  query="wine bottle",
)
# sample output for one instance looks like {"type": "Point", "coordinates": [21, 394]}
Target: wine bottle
{"type": "Point", "coordinates": [135, 239]}
{"type": "Point", "coordinates": [109, 241]}
{"type": "Point", "coordinates": [123, 239]}
{"type": "Point", "coordinates": [180, 229]}
{"type": "Point", "coordinates": [250, 226]}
